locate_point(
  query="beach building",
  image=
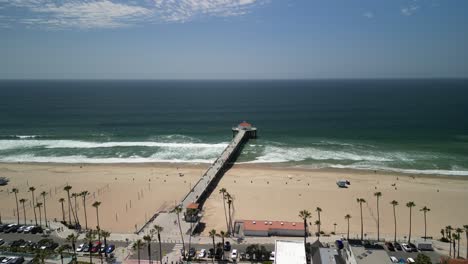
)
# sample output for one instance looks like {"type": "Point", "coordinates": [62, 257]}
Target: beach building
{"type": "Point", "coordinates": [327, 255]}
{"type": "Point", "coordinates": [357, 252]}
{"type": "Point", "coordinates": [263, 228]}
{"type": "Point", "coordinates": [290, 252]}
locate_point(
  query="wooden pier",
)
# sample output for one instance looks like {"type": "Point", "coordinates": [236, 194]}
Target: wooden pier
{"type": "Point", "coordinates": [192, 203]}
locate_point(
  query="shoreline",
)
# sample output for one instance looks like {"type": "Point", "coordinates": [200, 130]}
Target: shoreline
{"type": "Point", "coordinates": [132, 193]}
{"type": "Point", "coordinates": [276, 166]}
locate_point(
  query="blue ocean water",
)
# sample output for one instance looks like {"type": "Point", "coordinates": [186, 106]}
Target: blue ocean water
{"type": "Point", "coordinates": [416, 126]}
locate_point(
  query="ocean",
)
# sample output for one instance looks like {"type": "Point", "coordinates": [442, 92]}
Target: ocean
{"type": "Point", "coordinates": [413, 126]}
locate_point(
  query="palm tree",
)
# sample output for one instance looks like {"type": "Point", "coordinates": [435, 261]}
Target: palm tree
{"type": "Point", "coordinates": [105, 235]}
{"type": "Point", "coordinates": [74, 196]}
{"type": "Point", "coordinates": [448, 232]}
{"type": "Point", "coordinates": [394, 203]}
{"type": "Point", "coordinates": [96, 205]}
{"type": "Point", "coordinates": [317, 223]}
{"type": "Point", "coordinates": [454, 238]}
{"type": "Point", "coordinates": [459, 231]}
{"type": "Point", "coordinates": [83, 194]}
{"type": "Point", "coordinates": [67, 189]}
{"type": "Point", "coordinates": [45, 211]}
{"type": "Point", "coordinates": [319, 210]}
{"type": "Point", "coordinates": [347, 217]}
{"type": "Point", "coordinates": [22, 201]}
{"type": "Point", "coordinates": [304, 215]}
{"type": "Point", "coordinates": [138, 245]}
{"type": "Point", "coordinates": [425, 209]}
{"type": "Point", "coordinates": [410, 205]}
{"type": "Point", "coordinates": [32, 189]}
{"type": "Point", "coordinates": [60, 251]}
{"type": "Point", "coordinates": [147, 239]}
{"type": "Point", "coordinates": [361, 201]}
{"type": "Point", "coordinates": [378, 195]}
{"type": "Point", "coordinates": [16, 191]}
{"type": "Point", "coordinates": [229, 202]}
{"type": "Point", "coordinates": [334, 228]}
{"type": "Point", "coordinates": [223, 192]}
{"type": "Point", "coordinates": [213, 235]}
{"type": "Point", "coordinates": [158, 230]}
{"type": "Point", "coordinates": [61, 200]}
{"type": "Point", "coordinates": [222, 235]}
{"type": "Point", "coordinates": [39, 205]}
{"type": "Point", "coordinates": [177, 210]}
{"type": "Point", "coordinates": [466, 233]}
{"type": "Point", "coordinates": [89, 238]}
{"type": "Point", "coordinates": [72, 239]}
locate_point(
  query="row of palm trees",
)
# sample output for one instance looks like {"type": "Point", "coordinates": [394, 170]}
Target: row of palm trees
{"type": "Point", "coordinates": [39, 205]}
{"type": "Point", "coordinates": [305, 215]}
{"type": "Point", "coordinates": [453, 235]}
{"type": "Point", "coordinates": [139, 244]}
{"type": "Point", "coordinates": [35, 204]}
{"type": "Point", "coordinates": [227, 199]}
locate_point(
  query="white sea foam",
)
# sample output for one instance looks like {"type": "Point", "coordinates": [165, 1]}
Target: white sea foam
{"type": "Point", "coordinates": [84, 159]}
{"type": "Point", "coordinates": [412, 171]}
{"type": "Point", "coordinates": [273, 154]}
{"type": "Point", "coordinates": [51, 144]}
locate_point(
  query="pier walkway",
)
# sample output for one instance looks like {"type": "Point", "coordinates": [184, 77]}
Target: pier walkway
{"type": "Point", "coordinates": [203, 188]}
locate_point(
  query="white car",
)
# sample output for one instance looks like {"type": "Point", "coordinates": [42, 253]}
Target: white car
{"type": "Point", "coordinates": [234, 254]}
{"type": "Point", "coordinates": [410, 260]}
{"type": "Point", "coordinates": [393, 259]}
{"type": "Point", "coordinates": [406, 247]}
{"type": "Point", "coordinates": [28, 229]}
{"type": "Point", "coordinates": [272, 256]}
{"type": "Point", "coordinates": [202, 253]}
{"type": "Point", "coordinates": [7, 259]}
{"type": "Point", "coordinates": [80, 247]}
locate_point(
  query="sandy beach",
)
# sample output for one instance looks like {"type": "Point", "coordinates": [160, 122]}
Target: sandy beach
{"type": "Point", "coordinates": [130, 194]}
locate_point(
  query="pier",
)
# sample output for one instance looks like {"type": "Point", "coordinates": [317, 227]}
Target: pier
{"type": "Point", "coordinates": [193, 201]}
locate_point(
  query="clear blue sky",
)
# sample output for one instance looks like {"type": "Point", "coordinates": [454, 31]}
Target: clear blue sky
{"type": "Point", "coordinates": [233, 39]}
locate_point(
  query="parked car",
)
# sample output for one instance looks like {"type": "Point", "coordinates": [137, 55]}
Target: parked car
{"type": "Point", "coordinates": [234, 254]}
{"type": "Point", "coordinates": [406, 247]}
{"type": "Point", "coordinates": [80, 248]}
{"type": "Point", "coordinates": [6, 260]}
{"type": "Point", "coordinates": [390, 246]}
{"type": "Point", "coordinates": [413, 247]}
{"type": "Point", "coordinates": [410, 260]}
{"type": "Point", "coordinates": [202, 253]}
{"type": "Point", "coordinates": [36, 229]}
{"type": "Point", "coordinates": [16, 260]}
{"type": "Point", "coordinates": [397, 246]}
{"type": "Point", "coordinates": [393, 259]}
{"type": "Point", "coordinates": [219, 253]}
{"type": "Point", "coordinates": [86, 248]}
{"type": "Point", "coordinates": [192, 252]}
{"type": "Point", "coordinates": [272, 256]}
{"type": "Point", "coordinates": [11, 228]}
{"type": "Point", "coordinates": [110, 248]}
{"type": "Point", "coordinates": [2, 242]}
{"type": "Point", "coordinates": [28, 229]}
{"type": "Point", "coordinates": [95, 247]}
{"type": "Point", "coordinates": [227, 246]}
{"type": "Point", "coordinates": [339, 244]}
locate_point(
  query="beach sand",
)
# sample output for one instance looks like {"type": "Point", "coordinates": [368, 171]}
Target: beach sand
{"type": "Point", "coordinates": [129, 194]}
{"type": "Point", "coordinates": [261, 192]}
{"type": "Point", "coordinates": [269, 193]}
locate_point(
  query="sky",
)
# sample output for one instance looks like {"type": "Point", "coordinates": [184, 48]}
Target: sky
{"type": "Point", "coordinates": [233, 39]}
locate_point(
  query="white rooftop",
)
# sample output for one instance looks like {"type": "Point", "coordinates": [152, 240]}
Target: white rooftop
{"type": "Point", "coordinates": [289, 252]}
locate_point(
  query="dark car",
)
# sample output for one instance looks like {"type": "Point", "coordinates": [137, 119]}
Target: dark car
{"type": "Point", "coordinates": [18, 243]}
{"type": "Point", "coordinates": [192, 252]}
{"type": "Point", "coordinates": [390, 246]}
{"type": "Point", "coordinates": [413, 247]}
{"type": "Point", "coordinates": [210, 253]}
{"type": "Point", "coordinates": [86, 248]}
{"type": "Point", "coordinates": [16, 260]}
{"type": "Point", "coordinates": [339, 244]}
{"type": "Point", "coordinates": [397, 246]}
{"type": "Point", "coordinates": [11, 228]}
{"type": "Point", "coordinates": [2, 226]}
{"type": "Point", "coordinates": [227, 246]}
{"type": "Point", "coordinates": [96, 246]}
{"type": "Point", "coordinates": [110, 249]}
{"type": "Point", "coordinates": [219, 253]}
{"type": "Point", "coordinates": [36, 229]}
